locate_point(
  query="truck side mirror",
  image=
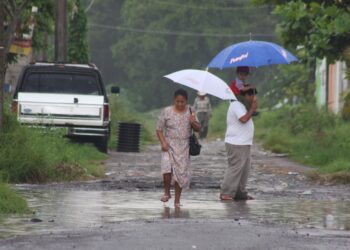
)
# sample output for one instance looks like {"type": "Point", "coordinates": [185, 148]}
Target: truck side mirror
{"type": "Point", "coordinates": [115, 90]}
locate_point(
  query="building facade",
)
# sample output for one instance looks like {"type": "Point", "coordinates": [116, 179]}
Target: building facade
{"type": "Point", "coordinates": [331, 83]}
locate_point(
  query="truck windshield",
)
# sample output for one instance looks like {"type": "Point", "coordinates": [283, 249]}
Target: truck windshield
{"type": "Point", "coordinates": [67, 83]}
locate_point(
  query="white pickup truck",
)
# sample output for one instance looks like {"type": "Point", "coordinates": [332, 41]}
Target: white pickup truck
{"type": "Point", "coordinates": [64, 95]}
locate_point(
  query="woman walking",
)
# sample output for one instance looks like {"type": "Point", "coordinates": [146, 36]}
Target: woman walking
{"type": "Point", "coordinates": [173, 131]}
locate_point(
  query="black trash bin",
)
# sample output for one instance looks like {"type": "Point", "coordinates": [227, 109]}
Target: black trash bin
{"type": "Point", "coordinates": [128, 137]}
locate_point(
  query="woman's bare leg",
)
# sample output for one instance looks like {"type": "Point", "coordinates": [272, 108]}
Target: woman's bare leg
{"type": "Point", "coordinates": [167, 183]}
{"type": "Point", "coordinates": [178, 190]}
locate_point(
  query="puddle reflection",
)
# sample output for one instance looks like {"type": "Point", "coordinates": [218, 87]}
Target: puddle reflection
{"type": "Point", "coordinates": [177, 212]}
{"type": "Point", "coordinates": [71, 209]}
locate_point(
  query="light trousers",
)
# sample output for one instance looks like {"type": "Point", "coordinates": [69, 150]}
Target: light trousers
{"type": "Point", "coordinates": [236, 175]}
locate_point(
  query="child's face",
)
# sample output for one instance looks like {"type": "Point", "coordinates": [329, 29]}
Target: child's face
{"type": "Point", "coordinates": [242, 76]}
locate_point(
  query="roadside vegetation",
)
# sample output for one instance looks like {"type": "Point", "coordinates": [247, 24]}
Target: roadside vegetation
{"type": "Point", "coordinates": [217, 123]}
{"type": "Point", "coordinates": [10, 201]}
{"type": "Point", "coordinates": [39, 155]}
{"type": "Point", "coordinates": [29, 155]}
{"type": "Point", "coordinates": [310, 136]}
{"type": "Point", "coordinates": [124, 110]}
{"type": "Point", "coordinates": [307, 134]}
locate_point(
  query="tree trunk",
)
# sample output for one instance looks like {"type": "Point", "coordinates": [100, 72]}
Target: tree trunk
{"type": "Point", "coordinates": [312, 76]}
{"type": "Point", "coordinates": [346, 56]}
{"type": "Point", "coordinates": [2, 63]}
{"type": "Point", "coordinates": [61, 31]}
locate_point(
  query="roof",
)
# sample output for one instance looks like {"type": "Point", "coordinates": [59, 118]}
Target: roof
{"type": "Point", "coordinates": [90, 65]}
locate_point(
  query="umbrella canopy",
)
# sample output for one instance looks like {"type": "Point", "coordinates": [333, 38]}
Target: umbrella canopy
{"type": "Point", "coordinates": [253, 54]}
{"type": "Point", "coordinates": [203, 81]}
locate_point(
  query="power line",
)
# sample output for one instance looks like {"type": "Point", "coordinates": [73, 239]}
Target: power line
{"type": "Point", "coordinates": [176, 33]}
{"type": "Point", "coordinates": [212, 7]}
{"type": "Point", "coordinates": [89, 6]}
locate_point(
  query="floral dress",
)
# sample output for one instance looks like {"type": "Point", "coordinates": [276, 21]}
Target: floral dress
{"type": "Point", "coordinates": [177, 130]}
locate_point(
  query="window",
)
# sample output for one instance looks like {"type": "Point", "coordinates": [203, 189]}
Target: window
{"type": "Point", "coordinates": [62, 83]}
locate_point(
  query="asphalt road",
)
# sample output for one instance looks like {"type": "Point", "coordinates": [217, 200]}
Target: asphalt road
{"type": "Point", "coordinates": [273, 179]}
{"type": "Point", "coordinates": [182, 234]}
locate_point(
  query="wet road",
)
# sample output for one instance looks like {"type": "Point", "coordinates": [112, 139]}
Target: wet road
{"type": "Point", "coordinates": [285, 202]}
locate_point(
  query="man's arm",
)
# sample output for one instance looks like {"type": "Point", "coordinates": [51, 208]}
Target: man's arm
{"type": "Point", "coordinates": [250, 112]}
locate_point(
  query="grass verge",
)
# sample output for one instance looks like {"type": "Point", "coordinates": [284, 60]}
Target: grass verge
{"type": "Point", "coordinates": [29, 155]}
{"type": "Point", "coordinates": [310, 136]}
{"type": "Point", "coordinates": [39, 155]}
{"type": "Point", "coordinates": [123, 110]}
{"type": "Point", "coordinates": [11, 202]}
{"type": "Point", "coordinates": [217, 123]}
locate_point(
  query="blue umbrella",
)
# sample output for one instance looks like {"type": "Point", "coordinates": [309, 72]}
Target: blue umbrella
{"type": "Point", "coordinates": [252, 54]}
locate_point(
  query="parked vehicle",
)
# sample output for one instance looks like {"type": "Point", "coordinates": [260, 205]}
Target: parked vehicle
{"type": "Point", "coordinates": [72, 96]}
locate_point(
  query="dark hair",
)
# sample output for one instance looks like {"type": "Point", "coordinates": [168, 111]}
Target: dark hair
{"type": "Point", "coordinates": [251, 91]}
{"type": "Point", "coordinates": [242, 69]}
{"type": "Point", "coordinates": [181, 92]}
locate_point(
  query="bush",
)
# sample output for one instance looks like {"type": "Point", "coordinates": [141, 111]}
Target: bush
{"type": "Point", "coordinates": [217, 123]}
{"type": "Point", "coordinates": [346, 107]}
{"type": "Point", "coordinates": [10, 201]}
{"type": "Point", "coordinates": [308, 118]}
{"type": "Point", "coordinates": [309, 135]}
{"type": "Point", "coordinates": [40, 155]}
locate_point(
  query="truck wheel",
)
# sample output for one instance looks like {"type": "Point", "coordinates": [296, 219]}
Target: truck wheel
{"type": "Point", "coordinates": [102, 144]}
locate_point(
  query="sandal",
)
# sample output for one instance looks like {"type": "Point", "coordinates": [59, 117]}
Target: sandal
{"type": "Point", "coordinates": [165, 198]}
{"type": "Point", "coordinates": [225, 197]}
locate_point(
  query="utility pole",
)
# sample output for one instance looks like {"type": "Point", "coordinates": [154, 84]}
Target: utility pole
{"type": "Point", "coordinates": [61, 31]}
{"type": "Point", "coordinates": [2, 62]}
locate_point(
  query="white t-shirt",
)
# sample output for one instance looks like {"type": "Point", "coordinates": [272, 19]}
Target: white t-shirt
{"type": "Point", "coordinates": [237, 132]}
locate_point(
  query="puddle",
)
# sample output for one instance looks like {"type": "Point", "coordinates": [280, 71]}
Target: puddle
{"type": "Point", "coordinates": [62, 210]}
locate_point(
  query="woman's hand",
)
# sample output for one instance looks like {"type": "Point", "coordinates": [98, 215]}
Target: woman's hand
{"type": "Point", "coordinates": [165, 147]}
{"type": "Point", "coordinates": [194, 123]}
{"type": "Point", "coordinates": [193, 119]}
{"type": "Point", "coordinates": [254, 105]}
{"type": "Point", "coordinates": [163, 143]}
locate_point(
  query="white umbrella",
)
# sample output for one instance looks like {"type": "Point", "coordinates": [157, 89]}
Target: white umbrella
{"type": "Point", "coordinates": [203, 81]}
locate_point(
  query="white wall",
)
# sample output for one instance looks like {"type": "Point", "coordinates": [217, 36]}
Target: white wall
{"type": "Point", "coordinates": [341, 84]}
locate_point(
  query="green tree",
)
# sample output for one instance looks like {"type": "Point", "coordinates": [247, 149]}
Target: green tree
{"type": "Point", "coordinates": [44, 30]}
{"type": "Point", "coordinates": [321, 27]}
{"type": "Point", "coordinates": [77, 39]}
{"type": "Point", "coordinates": [101, 39]}
{"type": "Point", "coordinates": [158, 38]}
{"type": "Point", "coordinates": [287, 84]}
